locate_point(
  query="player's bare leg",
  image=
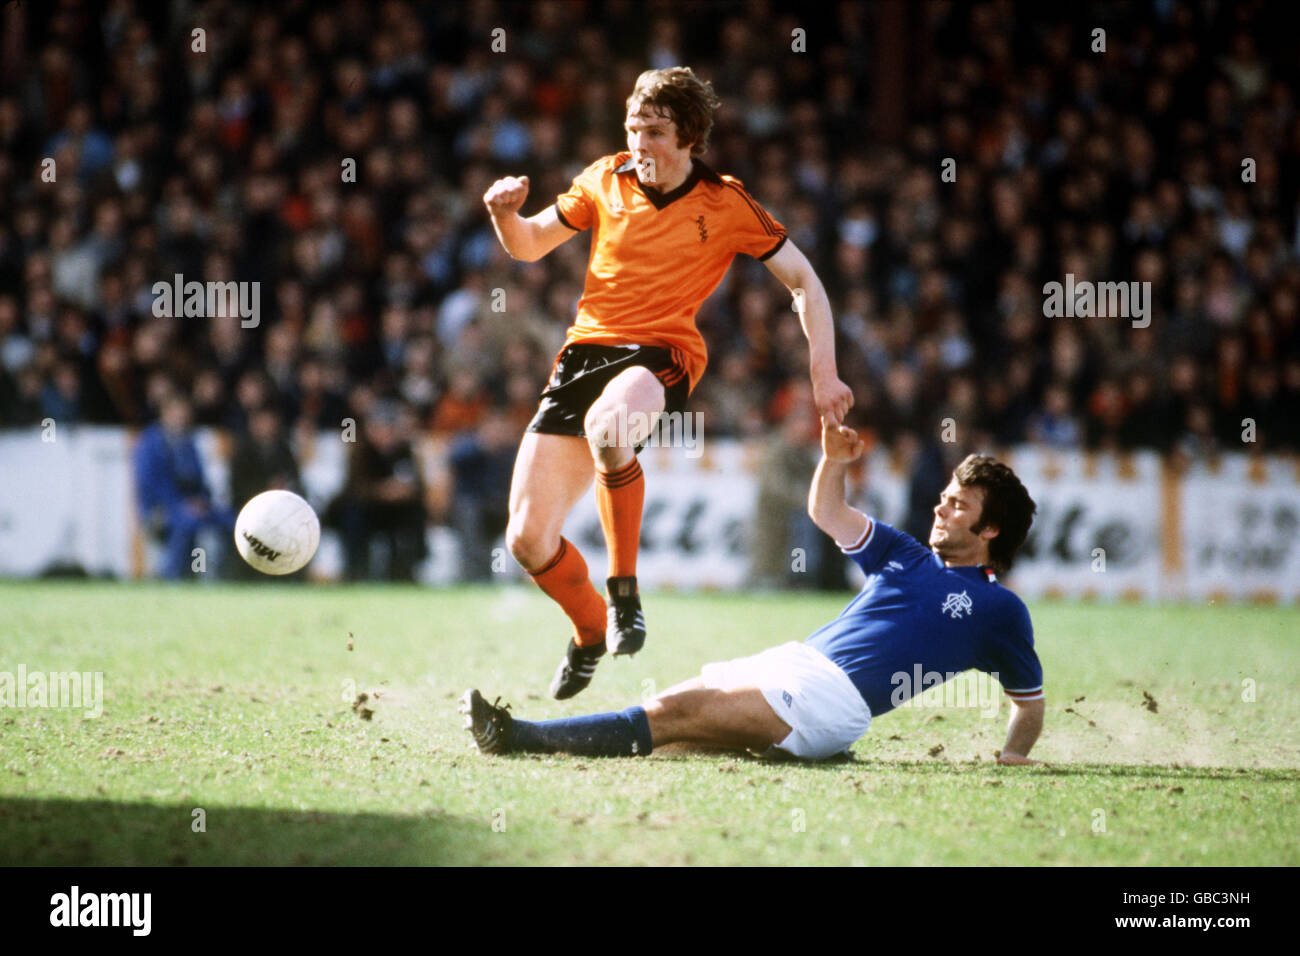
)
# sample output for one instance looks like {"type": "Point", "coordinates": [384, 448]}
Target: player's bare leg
{"type": "Point", "coordinates": [621, 418]}
{"type": "Point", "coordinates": [692, 684]}
{"type": "Point", "coordinates": [738, 719]}
{"type": "Point", "coordinates": [552, 472]}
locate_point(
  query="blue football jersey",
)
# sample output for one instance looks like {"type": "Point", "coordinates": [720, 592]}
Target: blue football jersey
{"type": "Point", "coordinates": [915, 616]}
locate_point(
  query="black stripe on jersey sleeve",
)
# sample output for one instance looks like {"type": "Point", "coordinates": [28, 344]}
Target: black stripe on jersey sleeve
{"type": "Point", "coordinates": [766, 221]}
{"type": "Point", "coordinates": [560, 216]}
{"type": "Point", "coordinates": [773, 251]}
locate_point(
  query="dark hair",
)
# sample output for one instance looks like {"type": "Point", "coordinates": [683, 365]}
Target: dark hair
{"type": "Point", "coordinates": [687, 100]}
{"type": "Point", "coordinates": [1007, 506]}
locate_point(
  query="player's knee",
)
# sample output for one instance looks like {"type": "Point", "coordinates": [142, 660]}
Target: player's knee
{"type": "Point", "coordinates": [672, 709]}
{"type": "Point", "coordinates": [611, 435]}
{"type": "Point", "coordinates": [601, 425]}
{"type": "Point", "coordinates": [528, 543]}
{"type": "Point", "coordinates": [519, 543]}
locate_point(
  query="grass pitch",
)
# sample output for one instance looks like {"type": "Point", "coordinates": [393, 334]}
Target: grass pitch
{"type": "Point", "coordinates": [232, 733]}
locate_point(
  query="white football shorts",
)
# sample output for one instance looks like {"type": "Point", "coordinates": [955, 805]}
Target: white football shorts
{"type": "Point", "coordinates": [825, 712]}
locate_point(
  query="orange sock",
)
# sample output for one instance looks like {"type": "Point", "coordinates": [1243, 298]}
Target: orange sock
{"type": "Point", "coordinates": [620, 496]}
{"type": "Point", "coordinates": [565, 580]}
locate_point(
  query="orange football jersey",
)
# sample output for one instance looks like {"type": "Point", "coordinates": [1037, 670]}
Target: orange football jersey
{"type": "Point", "coordinates": [655, 258]}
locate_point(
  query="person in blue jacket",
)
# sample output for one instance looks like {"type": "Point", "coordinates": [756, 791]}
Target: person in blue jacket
{"type": "Point", "coordinates": [171, 490]}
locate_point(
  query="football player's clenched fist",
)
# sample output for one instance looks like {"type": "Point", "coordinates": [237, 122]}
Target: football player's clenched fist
{"type": "Point", "coordinates": [506, 196]}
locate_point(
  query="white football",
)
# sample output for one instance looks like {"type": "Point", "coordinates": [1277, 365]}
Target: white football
{"type": "Point", "coordinates": [277, 532]}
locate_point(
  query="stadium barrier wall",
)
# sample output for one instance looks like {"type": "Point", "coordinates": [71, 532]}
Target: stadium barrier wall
{"type": "Point", "coordinates": [1108, 527]}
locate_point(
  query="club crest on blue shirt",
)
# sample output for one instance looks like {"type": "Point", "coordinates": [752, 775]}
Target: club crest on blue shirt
{"type": "Point", "coordinates": [957, 604]}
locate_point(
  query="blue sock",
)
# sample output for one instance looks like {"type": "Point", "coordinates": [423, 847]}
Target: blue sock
{"type": "Point", "coordinates": [614, 734]}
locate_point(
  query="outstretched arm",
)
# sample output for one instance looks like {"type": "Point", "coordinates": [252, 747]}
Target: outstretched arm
{"type": "Point", "coordinates": [832, 396]}
{"type": "Point", "coordinates": [827, 504]}
{"type": "Point", "coordinates": [1022, 731]}
{"type": "Point", "coordinates": [525, 239]}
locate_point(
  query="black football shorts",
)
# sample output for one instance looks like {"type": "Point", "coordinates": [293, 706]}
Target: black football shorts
{"type": "Point", "coordinates": [581, 373]}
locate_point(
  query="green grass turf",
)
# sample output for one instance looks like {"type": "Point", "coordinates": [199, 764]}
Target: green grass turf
{"type": "Point", "coordinates": [239, 701]}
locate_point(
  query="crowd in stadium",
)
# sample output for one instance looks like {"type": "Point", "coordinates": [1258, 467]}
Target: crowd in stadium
{"type": "Point", "coordinates": [1171, 158]}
